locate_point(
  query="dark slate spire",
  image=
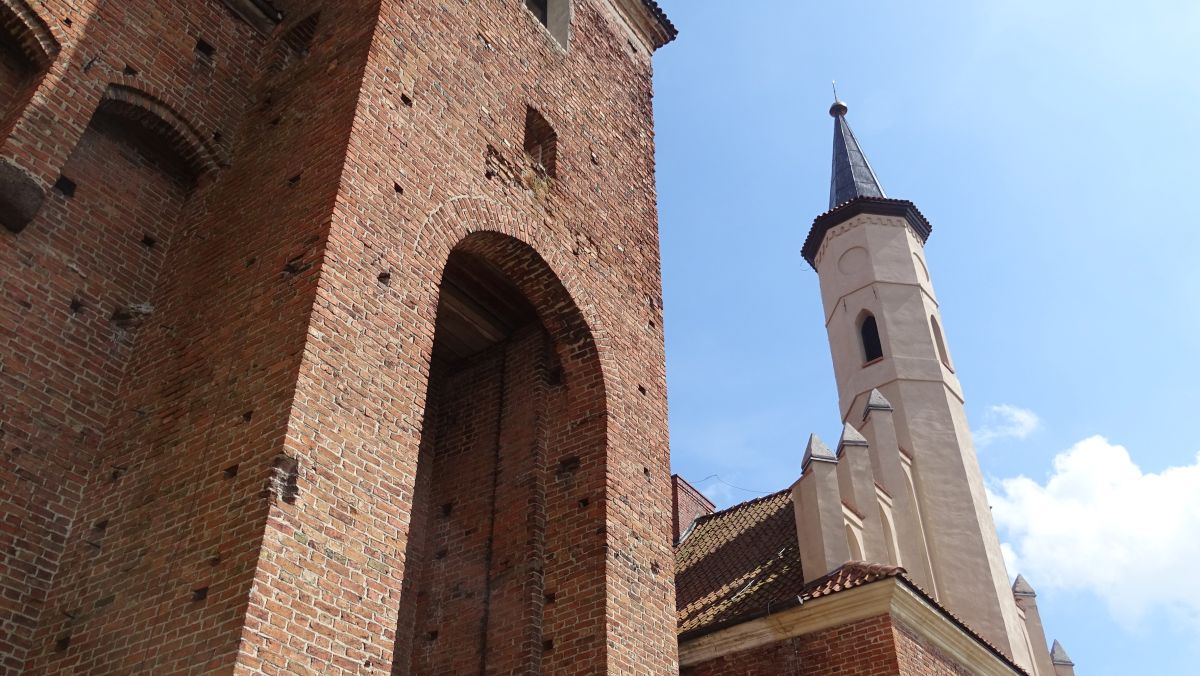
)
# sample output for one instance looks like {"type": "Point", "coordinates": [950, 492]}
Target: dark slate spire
{"type": "Point", "coordinates": [852, 174]}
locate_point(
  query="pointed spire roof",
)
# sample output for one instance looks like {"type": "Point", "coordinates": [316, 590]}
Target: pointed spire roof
{"type": "Point", "coordinates": [854, 189]}
{"type": "Point", "coordinates": [1058, 655]}
{"type": "Point", "coordinates": [852, 176]}
{"type": "Point", "coordinates": [817, 450]}
{"type": "Point", "coordinates": [1021, 587]}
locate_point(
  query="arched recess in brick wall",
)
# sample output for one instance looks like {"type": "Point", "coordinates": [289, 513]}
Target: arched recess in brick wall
{"type": "Point", "coordinates": [27, 48]}
{"type": "Point", "coordinates": [154, 127]}
{"type": "Point", "coordinates": [506, 550]}
{"type": "Point", "coordinates": [91, 257]}
{"type": "Point", "coordinates": [156, 139]}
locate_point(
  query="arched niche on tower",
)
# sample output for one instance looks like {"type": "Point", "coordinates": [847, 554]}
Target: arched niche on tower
{"type": "Point", "coordinates": [27, 49]}
{"type": "Point", "coordinates": [505, 556]}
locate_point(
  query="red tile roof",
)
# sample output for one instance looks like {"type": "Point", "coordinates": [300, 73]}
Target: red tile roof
{"type": "Point", "coordinates": [744, 561]}
{"type": "Point", "coordinates": [657, 12]}
{"type": "Point", "coordinates": [737, 562]}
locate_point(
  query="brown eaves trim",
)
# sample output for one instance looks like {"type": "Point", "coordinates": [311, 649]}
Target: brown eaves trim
{"type": "Point", "coordinates": [801, 599]}
{"type": "Point", "coordinates": [880, 206]}
{"type": "Point", "coordinates": [658, 13]}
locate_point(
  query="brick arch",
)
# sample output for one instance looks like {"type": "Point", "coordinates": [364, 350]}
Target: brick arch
{"type": "Point", "coordinates": [555, 496]}
{"type": "Point", "coordinates": [32, 34]}
{"type": "Point", "coordinates": [152, 115]}
{"type": "Point", "coordinates": [458, 217]}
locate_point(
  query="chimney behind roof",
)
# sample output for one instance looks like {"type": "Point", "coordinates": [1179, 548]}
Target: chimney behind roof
{"type": "Point", "coordinates": [688, 504]}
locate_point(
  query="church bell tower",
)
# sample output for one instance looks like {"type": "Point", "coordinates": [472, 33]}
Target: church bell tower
{"type": "Point", "coordinates": [891, 357]}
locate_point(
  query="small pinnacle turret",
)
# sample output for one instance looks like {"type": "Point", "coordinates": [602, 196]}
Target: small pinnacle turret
{"type": "Point", "coordinates": [817, 450]}
{"type": "Point", "coordinates": [851, 437]}
{"type": "Point", "coordinates": [1058, 655]}
{"type": "Point", "coordinates": [852, 174]}
{"type": "Point", "coordinates": [1021, 587]}
{"type": "Point", "coordinates": [877, 402]}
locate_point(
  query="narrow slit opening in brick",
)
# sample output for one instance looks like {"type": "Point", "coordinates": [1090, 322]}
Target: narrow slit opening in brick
{"type": "Point", "coordinates": [541, 143]}
{"type": "Point", "coordinates": [204, 50]}
{"type": "Point", "coordinates": [65, 186]}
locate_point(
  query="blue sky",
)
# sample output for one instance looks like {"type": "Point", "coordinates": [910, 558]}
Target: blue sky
{"type": "Point", "coordinates": [1053, 145]}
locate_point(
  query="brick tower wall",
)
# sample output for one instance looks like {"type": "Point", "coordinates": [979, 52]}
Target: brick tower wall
{"type": "Point", "coordinates": [154, 321]}
{"type": "Point", "coordinates": [421, 177]}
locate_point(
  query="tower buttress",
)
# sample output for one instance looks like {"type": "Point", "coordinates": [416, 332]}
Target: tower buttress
{"type": "Point", "coordinates": [885, 333]}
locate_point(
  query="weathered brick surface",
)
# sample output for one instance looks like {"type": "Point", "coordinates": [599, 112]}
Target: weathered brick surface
{"type": "Point", "coordinates": [918, 658]}
{"type": "Point", "coordinates": [225, 243]}
{"type": "Point", "coordinates": [863, 648]}
{"type": "Point", "coordinates": [879, 646]}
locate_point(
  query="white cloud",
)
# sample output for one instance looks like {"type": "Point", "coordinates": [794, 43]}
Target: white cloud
{"type": "Point", "coordinates": [1004, 421]}
{"type": "Point", "coordinates": [1100, 524]}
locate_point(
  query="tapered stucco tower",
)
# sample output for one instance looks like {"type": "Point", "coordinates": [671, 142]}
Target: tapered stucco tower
{"type": "Point", "coordinates": [885, 334]}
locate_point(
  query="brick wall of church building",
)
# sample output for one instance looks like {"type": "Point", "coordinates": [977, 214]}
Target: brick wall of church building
{"type": "Point", "coordinates": [216, 336]}
{"type": "Point", "coordinates": [878, 646]}
{"type": "Point", "coordinates": [918, 657]}
{"type": "Point", "coordinates": [863, 648]}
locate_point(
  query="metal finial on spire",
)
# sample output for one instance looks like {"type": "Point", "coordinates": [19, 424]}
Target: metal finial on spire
{"type": "Point", "coordinates": [838, 108]}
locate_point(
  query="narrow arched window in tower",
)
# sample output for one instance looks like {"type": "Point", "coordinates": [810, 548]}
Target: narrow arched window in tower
{"type": "Point", "coordinates": [941, 342]}
{"type": "Point", "coordinates": [868, 331]}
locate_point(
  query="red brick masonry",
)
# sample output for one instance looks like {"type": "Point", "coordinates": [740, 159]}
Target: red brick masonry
{"type": "Point", "coordinates": [878, 646]}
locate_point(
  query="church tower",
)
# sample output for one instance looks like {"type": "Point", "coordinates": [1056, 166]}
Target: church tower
{"type": "Point", "coordinates": [897, 384]}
